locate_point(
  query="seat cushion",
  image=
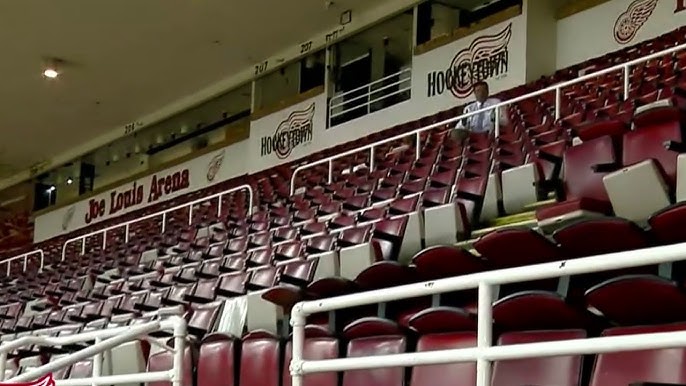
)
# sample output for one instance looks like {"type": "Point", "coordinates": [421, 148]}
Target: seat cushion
{"type": "Point", "coordinates": [569, 206]}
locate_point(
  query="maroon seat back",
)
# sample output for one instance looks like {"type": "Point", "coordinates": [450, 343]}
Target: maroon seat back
{"type": "Point", "coordinates": [374, 336]}
{"type": "Point", "coordinates": [653, 128]}
{"type": "Point", "coordinates": [260, 360]}
{"type": "Point", "coordinates": [319, 345]}
{"type": "Point", "coordinates": [580, 181]}
{"type": "Point", "coordinates": [217, 360]}
{"type": "Point", "coordinates": [164, 361]}
{"type": "Point", "coordinates": [624, 368]}
{"type": "Point", "coordinates": [559, 370]}
{"type": "Point", "coordinates": [444, 328]}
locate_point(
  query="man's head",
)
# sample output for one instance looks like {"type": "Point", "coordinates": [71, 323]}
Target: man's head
{"type": "Point", "coordinates": [481, 91]}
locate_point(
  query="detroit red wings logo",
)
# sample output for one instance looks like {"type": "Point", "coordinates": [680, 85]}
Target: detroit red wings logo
{"type": "Point", "coordinates": [291, 132]}
{"type": "Point", "coordinates": [630, 21]}
{"type": "Point", "coordinates": [46, 380]}
{"type": "Point", "coordinates": [215, 165]}
{"type": "Point", "coordinates": [486, 57]}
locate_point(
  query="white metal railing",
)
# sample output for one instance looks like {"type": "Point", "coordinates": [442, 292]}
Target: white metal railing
{"type": "Point", "coordinates": [557, 88]}
{"type": "Point", "coordinates": [484, 353]}
{"type": "Point", "coordinates": [376, 91]}
{"type": "Point", "coordinates": [25, 258]}
{"type": "Point", "coordinates": [163, 213]}
{"type": "Point", "coordinates": [105, 339]}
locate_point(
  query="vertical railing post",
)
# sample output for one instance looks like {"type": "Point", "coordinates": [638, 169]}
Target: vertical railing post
{"type": "Point", "coordinates": [26, 262]}
{"type": "Point", "coordinates": [190, 214]}
{"type": "Point", "coordinates": [179, 351]}
{"type": "Point", "coordinates": [417, 145]}
{"type": "Point", "coordinates": [369, 98]}
{"type": "Point", "coordinates": [9, 267]}
{"type": "Point", "coordinates": [496, 115]}
{"type": "Point", "coordinates": [164, 222]}
{"type": "Point", "coordinates": [41, 255]}
{"type": "Point", "coordinates": [558, 103]}
{"type": "Point", "coordinates": [3, 360]}
{"type": "Point", "coordinates": [627, 76]}
{"type": "Point", "coordinates": [330, 179]}
{"type": "Point", "coordinates": [126, 229]}
{"type": "Point", "coordinates": [298, 324]}
{"type": "Point", "coordinates": [83, 246]}
{"type": "Point", "coordinates": [484, 333]}
{"type": "Point", "coordinates": [371, 158]}
{"type": "Point", "coordinates": [104, 239]}
{"type": "Point", "coordinates": [219, 206]}
{"type": "Point", "coordinates": [97, 364]}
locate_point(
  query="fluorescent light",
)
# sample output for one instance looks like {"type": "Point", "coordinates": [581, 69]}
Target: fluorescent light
{"type": "Point", "coordinates": [50, 73]}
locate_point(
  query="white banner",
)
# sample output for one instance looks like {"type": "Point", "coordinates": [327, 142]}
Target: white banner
{"type": "Point", "coordinates": [615, 25]}
{"type": "Point", "coordinates": [442, 78]}
{"type": "Point", "coordinates": [206, 170]}
{"type": "Point", "coordinates": [288, 134]}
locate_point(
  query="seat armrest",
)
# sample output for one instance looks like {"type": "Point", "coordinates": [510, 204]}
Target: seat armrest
{"type": "Point", "coordinates": [469, 196]}
{"type": "Point", "coordinates": [678, 147]}
{"type": "Point", "coordinates": [548, 157]}
{"type": "Point", "coordinates": [605, 168]}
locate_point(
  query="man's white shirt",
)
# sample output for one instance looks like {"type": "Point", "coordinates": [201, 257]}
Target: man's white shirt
{"type": "Point", "coordinates": [484, 121]}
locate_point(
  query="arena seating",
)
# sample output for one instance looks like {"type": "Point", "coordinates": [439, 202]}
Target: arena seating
{"type": "Point", "coordinates": [235, 277]}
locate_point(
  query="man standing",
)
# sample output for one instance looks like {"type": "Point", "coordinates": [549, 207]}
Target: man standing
{"type": "Point", "coordinates": [484, 121]}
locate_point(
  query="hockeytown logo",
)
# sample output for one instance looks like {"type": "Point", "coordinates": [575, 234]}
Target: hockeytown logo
{"type": "Point", "coordinates": [291, 132]}
{"type": "Point", "coordinates": [630, 21]}
{"type": "Point", "coordinates": [486, 57]}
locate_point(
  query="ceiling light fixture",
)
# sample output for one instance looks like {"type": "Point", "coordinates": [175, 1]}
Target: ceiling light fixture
{"type": "Point", "coordinates": [52, 67]}
{"type": "Point", "coordinates": [50, 73]}
{"type": "Point", "coordinates": [70, 181]}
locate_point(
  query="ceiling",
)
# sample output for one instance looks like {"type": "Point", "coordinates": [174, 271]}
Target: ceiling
{"type": "Point", "coordinates": [128, 58]}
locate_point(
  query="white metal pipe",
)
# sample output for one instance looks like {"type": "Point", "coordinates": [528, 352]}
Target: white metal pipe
{"type": "Point", "coordinates": [162, 213]}
{"type": "Point", "coordinates": [298, 342]}
{"type": "Point", "coordinates": [126, 236]}
{"type": "Point", "coordinates": [219, 207]}
{"type": "Point", "coordinates": [371, 101]}
{"type": "Point", "coordinates": [496, 115]}
{"type": "Point", "coordinates": [558, 102]}
{"type": "Point", "coordinates": [104, 239]}
{"type": "Point", "coordinates": [609, 344]}
{"type": "Point", "coordinates": [330, 175]}
{"type": "Point", "coordinates": [371, 159]}
{"type": "Point", "coordinates": [87, 352]}
{"type": "Point", "coordinates": [97, 363]}
{"type": "Point", "coordinates": [3, 364]}
{"type": "Point", "coordinates": [158, 376]}
{"type": "Point", "coordinates": [599, 263]}
{"type": "Point", "coordinates": [179, 350]}
{"type": "Point", "coordinates": [484, 333]}
{"type": "Point", "coordinates": [417, 145]}
{"type": "Point", "coordinates": [496, 106]}
{"type": "Point", "coordinates": [190, 215]}
{"type": "Point", "coordinates": [369, 94]}
{"type": "Point", "coordinates": [627, 77]}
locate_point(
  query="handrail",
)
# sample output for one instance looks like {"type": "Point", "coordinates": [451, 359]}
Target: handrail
{"type": "Point", "coordinates": [162, 213]}
{"type": "Point", "coordinates": [558, 101]}
{"type": "Point", "coordinates": [369, 85]}
{"type": "Point", "coordinates": [113, 337]}
{"type": "Point", "coordinates": [24, 256]}
{"type": "Point", "coordinates": [338, 102]}
{"type": "Point", "coordinates": [485, 353]}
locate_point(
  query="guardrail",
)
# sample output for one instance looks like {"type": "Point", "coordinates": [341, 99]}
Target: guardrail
{"type": "Point", "coordinates": [367, 98]}
{"type": "Point", "coordinates": [126, 225]}
{"type": "Point", "coordinates": [24, 257]}
{"type": "Point", "coordinates": [625, 67]}
{"type": "Point", "coordinates": [485, 353]}
{"type": "Point", "coordinates": [106, 339]}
